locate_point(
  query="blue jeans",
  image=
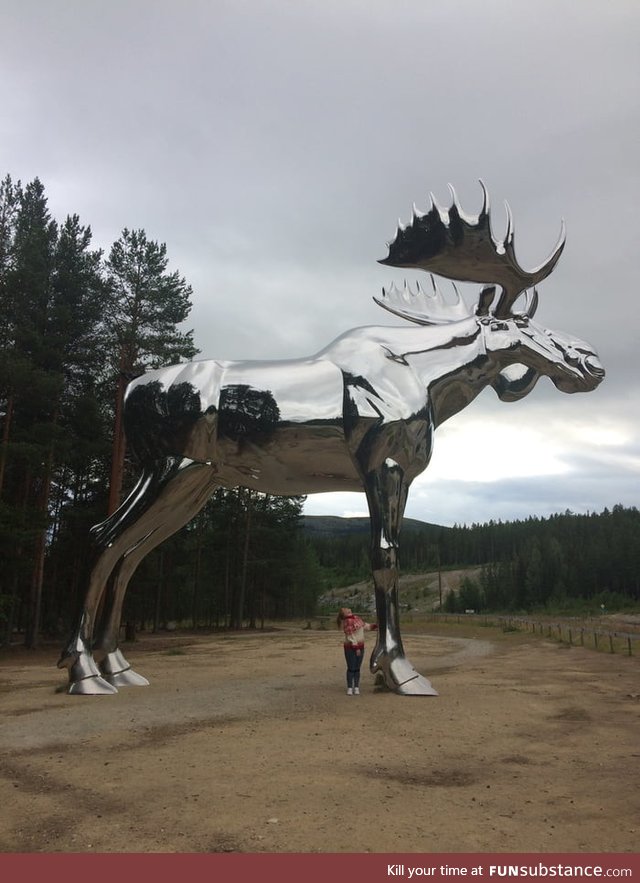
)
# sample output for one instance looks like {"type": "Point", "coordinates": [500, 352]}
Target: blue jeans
{"type": "Point", "coordinates": [354, 661]}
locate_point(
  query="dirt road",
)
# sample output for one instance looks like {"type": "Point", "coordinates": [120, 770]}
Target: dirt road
{"type": "Point", "coordinates": [248, 743]}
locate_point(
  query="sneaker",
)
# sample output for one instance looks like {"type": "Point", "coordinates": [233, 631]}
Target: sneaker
{"type": "Point", "coordinates": [356, 691]}
{"type": "Point", "coordinates": [349, 691]}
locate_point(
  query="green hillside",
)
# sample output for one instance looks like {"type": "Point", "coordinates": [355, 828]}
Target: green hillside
{"type": "Point", "coordinates": [335, 525]}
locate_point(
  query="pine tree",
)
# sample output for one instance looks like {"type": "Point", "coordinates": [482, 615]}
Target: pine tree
{"type": "Point", "coordinates": [78, 349]}
{"type": "Point", "coordinates": [146, 305]}
{"type": "Point", "coordinates": [31, 390]}
{"type": "Point", "coordinates": [10, 199]}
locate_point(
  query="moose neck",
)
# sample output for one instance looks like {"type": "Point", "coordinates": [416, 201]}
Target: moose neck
{"type": "Point", "coordinates": [457, 370]}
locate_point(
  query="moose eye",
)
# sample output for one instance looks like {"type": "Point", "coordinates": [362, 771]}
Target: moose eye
{"type": "Point", "coordinates": [499, 326]}
{"type": "Point", "coordinates": [572, 357]}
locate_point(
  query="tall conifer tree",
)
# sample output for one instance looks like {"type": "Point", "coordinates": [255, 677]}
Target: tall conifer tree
{"type": "Point", "coordinates": [147, 304]}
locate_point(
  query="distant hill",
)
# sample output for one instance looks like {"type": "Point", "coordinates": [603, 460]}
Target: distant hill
{"type": "Point", "coordinates": [335, 525]}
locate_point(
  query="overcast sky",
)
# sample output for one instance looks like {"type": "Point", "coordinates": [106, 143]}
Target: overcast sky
{"type": "Point", "coordinates": [274, 145]}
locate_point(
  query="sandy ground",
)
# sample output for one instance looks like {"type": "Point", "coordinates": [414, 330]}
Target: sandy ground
{"type": "Point", "coordinates": [248, 743]}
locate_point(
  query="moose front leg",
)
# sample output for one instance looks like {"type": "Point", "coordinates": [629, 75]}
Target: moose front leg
{"type": "Point", "coordinates": [386, 489]}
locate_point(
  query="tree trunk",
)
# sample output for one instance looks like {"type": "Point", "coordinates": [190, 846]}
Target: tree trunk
{"type": "Point", "coordinates": [12, 610]}
{"type": "Point", "coordinates": [119, 445]}
{"type": "Point", "coordinates": [196, 574]}
{"type": "Point", "coordinates": [242, 590]}
{"type": "Point", "coordinates": [159, 590]}
{"type": "Point", "coordinates": [6, 431]}
{"type": "Point", "coordinates": [37, 579]}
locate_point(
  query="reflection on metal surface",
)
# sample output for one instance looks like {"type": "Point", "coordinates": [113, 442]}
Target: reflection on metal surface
{"type": "Point", "coordinates": [357, 416]}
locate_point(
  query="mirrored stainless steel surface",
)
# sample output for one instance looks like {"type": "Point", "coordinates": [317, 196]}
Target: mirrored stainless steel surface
{"type": "Point", "coordinates": [359, 415]}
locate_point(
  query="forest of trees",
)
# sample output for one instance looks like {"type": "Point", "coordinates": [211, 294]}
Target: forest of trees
{"type": "Point", "coordinates": [76, 325]}
{"type": "Point", "coordinates": [525, 565]}
{"type": "Point", "coordinates": [554, 562]}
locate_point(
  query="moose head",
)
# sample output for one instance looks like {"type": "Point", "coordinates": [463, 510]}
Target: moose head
{"type": "Point", "coordinates": [448, 243]}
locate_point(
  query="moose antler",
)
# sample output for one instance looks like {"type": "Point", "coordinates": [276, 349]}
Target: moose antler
{"type": "Point", "coordinates": [454, 245]}
{"type": "Point", "coordinates": [423, 307]}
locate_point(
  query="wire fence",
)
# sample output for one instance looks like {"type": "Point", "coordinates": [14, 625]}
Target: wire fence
{"type": "Point", "coordinates": [573, 633]}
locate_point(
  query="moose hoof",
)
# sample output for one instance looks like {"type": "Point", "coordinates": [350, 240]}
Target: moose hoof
{"type": "Point", "coordinates": [418, 686]}
{"type": "Point", "coordinates": [85, 678]}
{"type": "Point", "coordinates": [117, 671]}
{"type": "Point", "coordinates": [91, 686]}
{"type": "Point", "coordinates": [401, 677]}
{"type": "Point", "coordinates": [127, 678]}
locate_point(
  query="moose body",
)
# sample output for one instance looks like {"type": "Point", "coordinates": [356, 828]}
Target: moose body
{"type": "Point", "coordinates": [360, 415]}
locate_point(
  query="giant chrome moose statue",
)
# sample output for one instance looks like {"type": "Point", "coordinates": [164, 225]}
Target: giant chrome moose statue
{"type": "Point", "coordinates": [357, 416]}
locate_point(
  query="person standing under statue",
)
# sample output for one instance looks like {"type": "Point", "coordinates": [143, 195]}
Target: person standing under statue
{"type": "Point", "coordinates": [354, 628]}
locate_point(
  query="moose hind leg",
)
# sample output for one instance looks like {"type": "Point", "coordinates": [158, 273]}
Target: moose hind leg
{"type": "Point", "coordinates": [179, 499]}
{"type": "Point", "coordinates": [114, 539]}
{"type": "Point", "coordinates": [386, 490]}
{"type": "Point", "coordinates": [84, 675]}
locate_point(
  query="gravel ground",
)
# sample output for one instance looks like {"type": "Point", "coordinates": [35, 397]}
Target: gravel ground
{"type": "Point", "coordinates": [247, 743]}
